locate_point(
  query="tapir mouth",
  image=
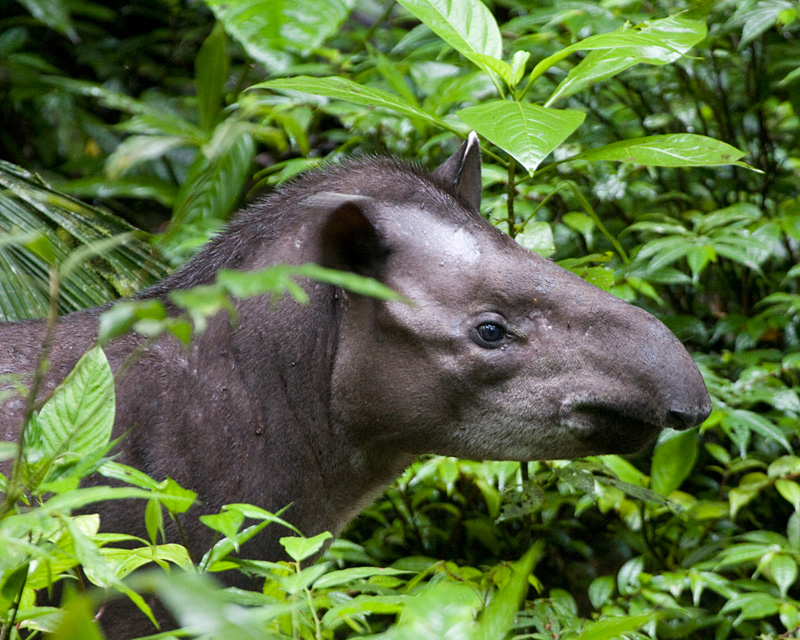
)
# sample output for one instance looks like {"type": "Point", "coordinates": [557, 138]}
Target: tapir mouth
{"type": "Point", "coordinates": [613, 429]}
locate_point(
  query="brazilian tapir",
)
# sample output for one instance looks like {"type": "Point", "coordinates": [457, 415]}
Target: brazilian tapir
{"type": "Point", "coordinates": [502, 354]}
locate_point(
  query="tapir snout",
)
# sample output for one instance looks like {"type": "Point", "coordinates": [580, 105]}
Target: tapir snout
{"type": "Point", "coordinates": [637, 378]}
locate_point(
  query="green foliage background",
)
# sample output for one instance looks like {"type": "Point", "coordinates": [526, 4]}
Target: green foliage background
{"type": "Point", "coordinates": [166, 117]}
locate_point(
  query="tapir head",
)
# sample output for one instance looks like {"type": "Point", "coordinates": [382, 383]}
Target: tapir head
{"type": "Point", "coordinates": [502, 354]}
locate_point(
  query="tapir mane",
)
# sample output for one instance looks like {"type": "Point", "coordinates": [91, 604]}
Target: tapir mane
{"type": "Point", "coordinates": [258, 228]}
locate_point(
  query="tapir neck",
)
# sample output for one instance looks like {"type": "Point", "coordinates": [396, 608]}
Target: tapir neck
{"type": "Point", "coordinates": [246, 415]}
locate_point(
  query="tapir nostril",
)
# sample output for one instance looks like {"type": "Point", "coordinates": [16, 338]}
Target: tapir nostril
{"type": "Point", "coordinates": [686, 418]}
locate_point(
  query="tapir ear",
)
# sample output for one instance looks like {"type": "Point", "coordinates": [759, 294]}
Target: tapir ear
{"type": "Point", "coordinates": [462, 171]}
{"type": "Point", "coordinates": [348, 239]}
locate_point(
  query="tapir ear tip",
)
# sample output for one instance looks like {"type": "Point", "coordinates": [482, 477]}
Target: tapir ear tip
{"type": "Point", "coordinates": [462, 172]}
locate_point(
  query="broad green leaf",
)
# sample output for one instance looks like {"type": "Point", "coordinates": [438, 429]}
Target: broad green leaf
{"type": "Point", "coordinates": [466, 25]}
{"type": "Point", "coordinates": [672, 150]}
{"type": "Point", "coordinates": [659, 42]}
{"type": "Point", "coordinates": [784, 466]}
{"type": "Point", "coordinates": [211, 72]}
{"type": "Point", "coordinates": [267, 28]}
{"type": "Point", "coordinates": [79, 416]}
{"type": "Point", "coordinates": [793, 530]}
{"type": "Point", "coordinates": [299, 548]}
{"type": "Point", "coordinates": [500, 67]}
{"type": "Point", "coordinates": [344, 89]}
{"type": "Point", "coordinates": [673, 461]}
{"type": "Point", "coordinates": [526, 131]}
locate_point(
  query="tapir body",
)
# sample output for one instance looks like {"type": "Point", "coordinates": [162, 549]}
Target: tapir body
{"type": "Point", "coordinates": [501, 354]}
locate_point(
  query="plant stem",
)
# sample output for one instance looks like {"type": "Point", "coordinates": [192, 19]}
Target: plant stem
{"type": "Point", "coordinates": [511, 193]}
{"type": "Point", "coordinates": [14, 492]}
{"type": "Point", "coordinates": [596, 219]}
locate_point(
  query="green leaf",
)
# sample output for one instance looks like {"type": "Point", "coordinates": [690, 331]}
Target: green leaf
{"type": "Point", "coordinates": [345, 576]}
{"type": "Point", "coordinates": [227, 522]}
{"type": "Point", "coordinates": [379, 605]}
{"type": "Point", "coordinates": [601, 591]}
{"type": "Point", "coordinates": [137, 149]}
{"type": "Point", "coordinates": [268, 28]}
{"type": "Point", "coordinates": [793, 530]}
{"type": "Point", "coordinates": [741, 212]}
{"type": "Point", "coordinates": [154, 520]}
{"type": "Point", "coordinates": [162, 191]}
{"type": "Point", "coordinates": [498, 618]}
{"type": "Point", "coordinates": [673, 460]}
{"type": "Point", "coordinates": [79, 498]}
{"type": "Point", "coordinates": [344, 89]}
{"type": "Point", "coordinates": [296, 582]}
{"type": "Point", "coordinates": [125, 561]}
{"type": "Point", "coordinates": [751, 606]}
{"type": "Point", "coordinates": [790, 491]}
{"type": "Point", "coordinates": [211, 72]}
{"type": "Point", "coordinates": [300, 548]}
{"type": "Point", "coordinates": [466, 25]}
{"type": "Point", "coordinates": [215, 179]}
{"type": "Point", "coordinates": [762, 17]}
{"type": "Point", "coordinates": [698, 258]}
{"type": "Point", "coordinates": [53, 13]}
{"type": "Point", "coordinates": [741, 418]}
{"type": "Point", "coordinates": [526, 131]}
{"type": "Point", "coordinates": [783, 569]}
{"type": "Point", "coordinates": [660, 42]}
{"type": "Point", "coordinates": [538, 237]}
{"type": "Point", "coordinates": [672, 150]}
{"type": "Point", "coordinates": [79, 416]}
{"type": "Point", "coordinates": [77, 621]}
{"type": "Point", "coordinates": [614, 628]}
{"type": "Point", "coordinates": [174, 497]}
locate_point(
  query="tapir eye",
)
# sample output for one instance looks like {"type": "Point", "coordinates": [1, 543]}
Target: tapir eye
{"type": "Point", "coordinates": [490, 334]}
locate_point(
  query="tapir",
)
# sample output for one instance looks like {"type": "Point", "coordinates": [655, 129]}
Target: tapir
{"type": "Point", "coordinates": [499, 354]}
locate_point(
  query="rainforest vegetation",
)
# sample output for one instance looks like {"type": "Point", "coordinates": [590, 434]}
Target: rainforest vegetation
{"type": "Point", "coordinates": [652, 147]}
